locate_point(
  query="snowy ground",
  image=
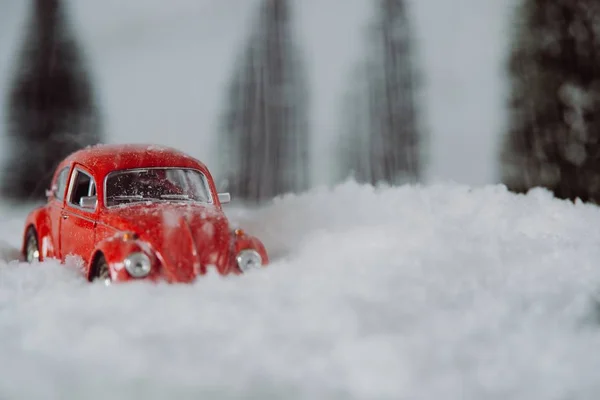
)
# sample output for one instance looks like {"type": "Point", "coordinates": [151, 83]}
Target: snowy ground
{"type": "Point", "coordinates": [444, 292]}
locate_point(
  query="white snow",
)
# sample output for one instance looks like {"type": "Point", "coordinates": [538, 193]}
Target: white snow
{"type": "Point", "coordinates": [418, 293]}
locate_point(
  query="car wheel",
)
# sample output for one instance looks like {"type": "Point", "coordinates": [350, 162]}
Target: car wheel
{"type": "Point", "coordinates": [102, 270]}
{"type": "Point", "coordinates": [32, 248]}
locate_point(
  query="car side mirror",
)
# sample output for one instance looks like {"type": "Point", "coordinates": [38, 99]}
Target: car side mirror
{"type": "Point", "coordinates": [224, 198]}
{"type": "Point", "coordinates": [88, 202]}
{"type": "Point", "coordinates": [51, 192]}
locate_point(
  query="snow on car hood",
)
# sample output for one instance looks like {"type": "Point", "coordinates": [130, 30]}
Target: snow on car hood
{"type": "Point", "coordinates": [186, 236]}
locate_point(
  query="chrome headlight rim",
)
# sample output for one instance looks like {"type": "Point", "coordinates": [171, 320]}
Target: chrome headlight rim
{"type": "Point", "coordinates": [138, 264]}
{"type": "Point", "coordinates": [248, 260]}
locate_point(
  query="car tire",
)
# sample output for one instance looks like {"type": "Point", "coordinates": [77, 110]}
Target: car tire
{"type": "Point", "coordinates": [101, 270]}
{"type": "Point", "coordinates": [31, 250]}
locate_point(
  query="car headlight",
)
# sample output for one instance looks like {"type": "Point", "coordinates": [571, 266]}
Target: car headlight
{"type": "Point", "coordinates": [138, 265]}
{"type": "Point", "coordinates": [248, 260]}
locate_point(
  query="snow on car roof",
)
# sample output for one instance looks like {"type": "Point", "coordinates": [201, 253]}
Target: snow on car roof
{"type": "Point", "coordinates": [103, 158]}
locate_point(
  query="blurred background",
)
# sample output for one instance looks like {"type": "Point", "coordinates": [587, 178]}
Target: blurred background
{"type": "Point", "coordinates": [279, 96]}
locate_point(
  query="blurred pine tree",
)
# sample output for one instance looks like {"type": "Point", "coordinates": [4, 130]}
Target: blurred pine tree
{"type": "Point", "coordinates": [264, 132]}
{"type": "Point", "coordinates": [382, 140]}
{"type": "Point", "coordinates": [553, 136]}
{"type": "Point", "coordinates": [51, 107]}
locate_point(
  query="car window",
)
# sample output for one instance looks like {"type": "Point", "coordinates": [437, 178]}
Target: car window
{"type": "Point", "coordinates": [156, 184]}
{"type": "Point", "coordinates": [61, 183]}
{"type": "Point", "coordinates": [83, 185]}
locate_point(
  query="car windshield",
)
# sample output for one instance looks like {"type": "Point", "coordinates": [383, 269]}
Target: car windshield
{"type": "Point", "coordinates": [156, 184]}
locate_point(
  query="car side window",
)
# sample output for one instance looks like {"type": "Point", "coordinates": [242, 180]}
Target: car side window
{"type": "Point", "coordinates": [61, 183]}
{"type": "Point", "coordinates": [83, 185]}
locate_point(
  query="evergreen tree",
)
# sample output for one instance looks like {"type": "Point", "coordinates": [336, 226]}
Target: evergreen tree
{"type": "Point", "coordinates": [264, 134]}
{"type": "Point", "coordinates": [382, 140]}
{"type": "Point", "coordinates": [51, 111]}
{"type": "Point", "coordinates": [553, 136]}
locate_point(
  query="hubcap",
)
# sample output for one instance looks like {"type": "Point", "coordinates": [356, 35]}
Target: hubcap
{"type": "Point", "coordinates": [33, 254]}
{"type": "Point", "coordinates": [104, 274]}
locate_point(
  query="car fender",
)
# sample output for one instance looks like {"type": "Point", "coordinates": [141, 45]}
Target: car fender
{"type": "Point", "coordinates": [243, 241]}
{"type": "Point", "coordinates": [115, 249]}
{"type": "Point", "coordinates": [40, 221]}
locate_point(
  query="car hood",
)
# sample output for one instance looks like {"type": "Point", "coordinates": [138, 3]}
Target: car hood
{"type": "Point", "coordinates": [187, 237]}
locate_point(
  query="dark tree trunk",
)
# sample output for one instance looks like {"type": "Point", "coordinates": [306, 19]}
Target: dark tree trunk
{"type": "Point", "coordinates": [51, 111]}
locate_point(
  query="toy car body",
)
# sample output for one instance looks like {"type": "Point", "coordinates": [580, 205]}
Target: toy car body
{"type": "Point", "coordinates": [138, 212]}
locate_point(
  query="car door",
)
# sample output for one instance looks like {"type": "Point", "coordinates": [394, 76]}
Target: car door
{"type": "Point", "coordinates": [78, 222]}
{"type": "Point", "coordinates": [56, 204]}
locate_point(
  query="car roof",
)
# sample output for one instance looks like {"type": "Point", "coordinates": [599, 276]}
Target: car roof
{"type": "Point", "coordinates": [102, 159]}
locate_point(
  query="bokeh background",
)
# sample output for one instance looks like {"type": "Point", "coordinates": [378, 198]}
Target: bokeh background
{"type": "Point", "coordinates": [163, 73]}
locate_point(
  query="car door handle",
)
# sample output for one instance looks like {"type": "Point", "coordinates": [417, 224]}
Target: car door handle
{"type": "Point", "coordinates": [65, 216]}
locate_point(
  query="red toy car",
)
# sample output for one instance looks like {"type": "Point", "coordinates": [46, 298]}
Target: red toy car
{"type": "Point", "coordinates": [138, 212]}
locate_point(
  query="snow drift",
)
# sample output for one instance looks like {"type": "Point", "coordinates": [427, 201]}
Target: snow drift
{"type": "Point", "coordinates": [413, 292]}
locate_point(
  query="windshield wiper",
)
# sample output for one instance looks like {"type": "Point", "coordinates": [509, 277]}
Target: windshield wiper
{"type": "Point", "coordinates": [175, 196]}
{"type": "Point", "coordinates": [127, 197]}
